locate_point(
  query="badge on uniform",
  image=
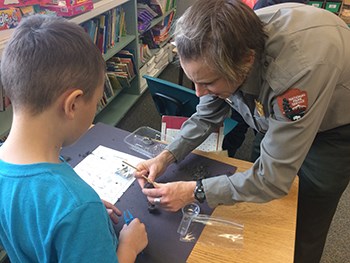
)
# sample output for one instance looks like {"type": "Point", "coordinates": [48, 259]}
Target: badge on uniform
{"type": "Point", "coordinates": [259, 108]}
{"type": "Point", "coordinates": [293, 104]}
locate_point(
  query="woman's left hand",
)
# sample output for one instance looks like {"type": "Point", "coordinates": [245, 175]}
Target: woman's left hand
{"type": "Point", "coordinates": [171, 196]}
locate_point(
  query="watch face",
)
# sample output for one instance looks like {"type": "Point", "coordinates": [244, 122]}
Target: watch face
{"type": "Point", "coordinates": [199, 194]}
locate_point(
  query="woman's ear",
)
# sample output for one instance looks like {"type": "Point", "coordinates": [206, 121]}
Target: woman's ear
{"type": "Point", "coordinates": [71, 101]}
{"type": "Point", "coordinates": [251, 58]}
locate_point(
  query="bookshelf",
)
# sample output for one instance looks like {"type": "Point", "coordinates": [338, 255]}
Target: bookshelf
{"type": "Point", "coordinates": [123, 99]}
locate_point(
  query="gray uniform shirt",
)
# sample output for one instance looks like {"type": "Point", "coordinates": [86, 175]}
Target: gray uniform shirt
{"type": "Point", "coordinates": [300, 87]}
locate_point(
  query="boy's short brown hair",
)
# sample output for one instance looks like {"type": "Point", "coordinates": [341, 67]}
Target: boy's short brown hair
{"type": "Point", "coordinates": [45, 57]}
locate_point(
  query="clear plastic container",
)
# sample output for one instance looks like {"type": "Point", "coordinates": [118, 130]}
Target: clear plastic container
{"type": "Point", "coordinates": [146, 141]}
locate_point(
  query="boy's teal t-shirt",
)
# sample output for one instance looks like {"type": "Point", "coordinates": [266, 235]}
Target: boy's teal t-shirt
{"type": "Point", "coordinates": [49, 214]}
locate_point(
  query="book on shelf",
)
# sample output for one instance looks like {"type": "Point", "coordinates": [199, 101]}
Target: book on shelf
{"type": "Point", "coordinates": [169, 5]}
{"type": "Point", "coordinates": [145, 53]}
{"type": "Point", "coordinates": [90, 28]}
{"type": "Point", "coordinates": [114, 81]}
{"type": "Point", "coordinates": [128, 53]}
{"type": "Point", "coordinates": [115, 64]}
{"type": "Point", "coordinates": [123, 80]}
{"type": "Point", "coordinates": [122, 25]}
{"type": "Point", "coordinates": [108, 88]}
{"type": "Point", "coordinates": [123, 67]}
{"type": "Point", "coordinates": [108, 93]}
{"type": "Point", "coordinates": [101, 33]}
{"type": "Point", "coordinates": [161, 31]}
{"type": "Point", "coordinates": [106, 29]}
{"type": "Point", "coordinates": [158, 6]}
{"type": "Point", "coordinates": [130, 66]}
{"type": "Point", "coordinates": [145, 15]}
{"type": "Point", "coordinates": [161, 6]}
{"type": "Point", "coordinates": [143, 6]}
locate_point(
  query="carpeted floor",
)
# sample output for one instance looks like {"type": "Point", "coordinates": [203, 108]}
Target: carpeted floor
{"type": "Point", "coordinates": [144, 113]}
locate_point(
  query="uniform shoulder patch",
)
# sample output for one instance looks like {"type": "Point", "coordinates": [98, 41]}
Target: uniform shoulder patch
{"type": "Point", "coordinates": [293, 103]}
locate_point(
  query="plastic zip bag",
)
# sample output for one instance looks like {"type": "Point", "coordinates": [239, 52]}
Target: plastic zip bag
{"type": "Point", "coordinates": [217, 232]}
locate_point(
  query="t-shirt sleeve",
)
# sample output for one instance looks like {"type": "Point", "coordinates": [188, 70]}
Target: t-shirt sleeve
{"type": "Point", "coordinates": [86, 234]}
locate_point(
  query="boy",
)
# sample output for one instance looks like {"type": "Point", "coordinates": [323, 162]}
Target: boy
{"type": "Point", "coordinates": [54, 76]}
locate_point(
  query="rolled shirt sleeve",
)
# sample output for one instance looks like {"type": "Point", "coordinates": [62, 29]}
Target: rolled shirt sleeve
{"type": "Point", "coordinates": [210, 114]}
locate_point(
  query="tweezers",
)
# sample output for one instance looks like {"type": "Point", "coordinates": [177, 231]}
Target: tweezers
{"type": "Point", "coordinates": [128, 217]}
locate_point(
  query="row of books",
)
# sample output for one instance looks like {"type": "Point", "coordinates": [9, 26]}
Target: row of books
{"type": "Point", "coordinates": [157, 63]}
{"type": "Point", "coordinates": [145, 15]}
{"type": "Point", "coordinates": [161, 6]}
{"type": "Point", "coordinates": [159, 34]}
{"type": "Point", "coordinates": [121, 69]}
{"type": "Point", "coordinates": [145, 53]}
{"type": "Point", "coordinates": [161, 31]}
{"type": "Point", "coordinates": [107, 29]}
{"type": "Point", "coordinates": [108, 93]}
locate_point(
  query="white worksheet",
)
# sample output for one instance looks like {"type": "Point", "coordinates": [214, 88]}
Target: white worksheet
{"type": "Point", "coordinates": [106, 173]}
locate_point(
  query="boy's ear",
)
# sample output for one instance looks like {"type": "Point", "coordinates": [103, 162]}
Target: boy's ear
{"type": "Point", "coordinates": [70, 102]}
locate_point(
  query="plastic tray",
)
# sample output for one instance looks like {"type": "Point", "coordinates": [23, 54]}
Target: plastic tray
{"type": "Point", "coordinates": [146, 141]}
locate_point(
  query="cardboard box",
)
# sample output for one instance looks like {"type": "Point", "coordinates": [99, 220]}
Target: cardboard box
{"type": "Point", "coordinates": [9, 18]}
{"type": "Point", "coordinates": [67, 8]}
{"type": "Point", "coordinates": [18, 3]}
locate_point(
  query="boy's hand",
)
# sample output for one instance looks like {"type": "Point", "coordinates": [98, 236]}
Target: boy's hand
{"type": "Point", "coordinates": [132, 240]}
{"type": "Point", "coordinates": [113, 212]}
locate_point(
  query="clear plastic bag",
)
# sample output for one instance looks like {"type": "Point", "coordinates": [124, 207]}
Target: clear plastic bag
{"type": "Point", "coordinates": [217, 232]}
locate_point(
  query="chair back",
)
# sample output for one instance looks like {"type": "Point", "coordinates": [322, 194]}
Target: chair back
{"type": "Point", "coordinates": [170, 98]}
{"type": "Point", "coordinates": [175, 100]}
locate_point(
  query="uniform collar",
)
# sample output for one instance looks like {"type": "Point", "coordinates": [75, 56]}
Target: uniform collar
{"type": "Point", "coordinates": [253, 81]}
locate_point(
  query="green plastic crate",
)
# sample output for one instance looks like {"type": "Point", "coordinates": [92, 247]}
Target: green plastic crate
{"type": "Point", "coordinates": [333, 6]}
{"type": "Point", "coordinates": [318, 4]}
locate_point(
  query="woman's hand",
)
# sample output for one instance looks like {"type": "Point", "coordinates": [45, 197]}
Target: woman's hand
{"type": "Point", "coordinates": [154, 167]}
{"type": "Point", "coordinates": [171, 196]}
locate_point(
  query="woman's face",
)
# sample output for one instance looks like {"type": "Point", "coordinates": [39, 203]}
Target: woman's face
{"type": "Point", "coordinates": [207, 81]}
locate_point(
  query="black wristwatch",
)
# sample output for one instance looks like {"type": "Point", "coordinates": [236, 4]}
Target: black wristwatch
{"type": "Point", "coordinates": [199, 191]}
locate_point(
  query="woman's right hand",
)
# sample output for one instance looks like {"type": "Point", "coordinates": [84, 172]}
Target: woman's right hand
{"type": "Point", "coordinates": [154, 167]}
